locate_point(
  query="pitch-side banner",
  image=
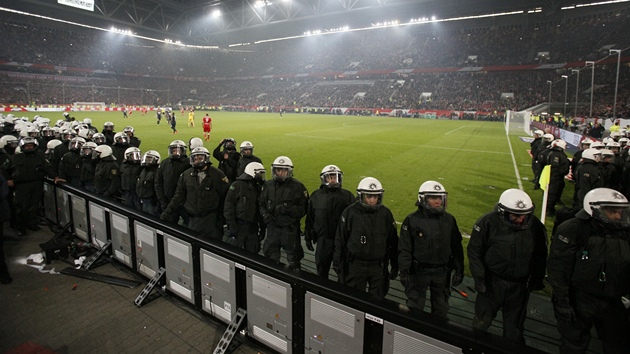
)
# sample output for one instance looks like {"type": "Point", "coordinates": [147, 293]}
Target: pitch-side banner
{"type": "Point", "coordinates": [81, 4]}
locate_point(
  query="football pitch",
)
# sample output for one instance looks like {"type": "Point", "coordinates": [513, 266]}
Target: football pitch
{"type": "Point", "coordinates": [472, 159]}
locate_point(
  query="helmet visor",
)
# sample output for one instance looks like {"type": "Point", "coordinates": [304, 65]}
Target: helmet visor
{"type": "Point", "coordinates": [612, 214]}
{"type": "Point", "coordinates": [332, 179]}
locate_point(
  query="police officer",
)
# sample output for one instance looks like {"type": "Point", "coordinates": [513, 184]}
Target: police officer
{"type": "Point", "coordinates": [70, 164]}
{"type": "Point", "coordinates": [588, 176]}
{"type": "Point", "coordinates": [366, 242]}
{"type": "Point", "coordinates": [534, 145]}
{"type": "Point", "coordinates": [133, 139]}
{"type": "Point", "coordinates": [107, 172]}
{"type": "Point", "coordinates": [30, 168]}
{"type": "Point", "coordinates": [60, 150]}
{"type": "Point", "coordinates": [247, 156]}
{"type": "Point", "coordinates": [228, 158]}
{"type": "Point", "coordinates": [589, 272]}
{"type": "Point", "coordinates": [88, 166]}
{"type": "Point", "coordinates": [430, 247]}
{"type": "Point", "coordinates": [283, 202]}
{"type": "Point", "coordinates": [130, 169]}
{"type": "Point", "coordinates": [167, 176]}
{"type": "Point", "coordinates": [145, 187]}
{"type": "Point", "coordinates": [577, 156]}
{"type": "Point", "coordinates": [559, 164]}
{"type": "Point", "coordinates": [507, 254]}
{"type": "Point", "coordinates": [541, 157]}
{"type": "Point", "coordinates": [200, 191]}
{"type": "Point", "coordinates": [120, 146]}
{"type": "Point", "coordinates": [108, 132]}
{"type": "Point", "coordinates": [241, 208]}
{"type": "Point", "coordinates": [322, 217]}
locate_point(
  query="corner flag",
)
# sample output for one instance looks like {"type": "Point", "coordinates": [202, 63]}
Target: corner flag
{"type": "Point", "coordinates": [545, 175]}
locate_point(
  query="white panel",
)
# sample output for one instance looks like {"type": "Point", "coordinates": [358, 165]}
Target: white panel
{"type": "Point", "coordinates": [180, 290]}
{"type": "Point", "coordinates": [146, 271]}
{"type": "Point", "coordinates": [119, 222]}
{"type": "Point", "coordinates": [269, 291]}
{"type": "Point", "coordinates": [404, 344]}
{"type": "Point", "coordinates": [121, 256]}
{"type": "Point", "coordinates": [270, 339]}
{"type": "Point", "coordinates": [333, 317]}
{"type": "Point", "coordinates": [178, 250]}
{"type": "Point", "coordinates": [144, 235]}
{"type": "Point", "coordinates": [216, 267]}
{"type": "Point", "coordinates": [219, 312]}
{"type": "Point", "coordinates": [98, 213]}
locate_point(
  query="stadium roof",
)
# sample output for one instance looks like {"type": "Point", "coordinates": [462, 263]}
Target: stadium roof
{"type": "Point", "coordinates": [196, 21]}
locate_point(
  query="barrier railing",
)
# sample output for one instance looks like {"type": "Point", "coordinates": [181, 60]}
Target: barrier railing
{"type": "Point", "coordinates": [289, 311]}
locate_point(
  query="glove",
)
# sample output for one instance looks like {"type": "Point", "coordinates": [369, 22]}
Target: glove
{"type": "Point", "coordinates": [309, 244]}
{"type": "Point", "coordinates": [165, 215]}
{"type": "Point", "coordinates": [394, 273]}
{"type": "Point", "coordinates": [457, 279]}
{"type": "Point", "coordinates": [480, 286]}
{"type": "Point", "coordinates": [163, 204]}
{"type": "Point", "coordinates": [537, 285]}
{"type": "Point", "coordinates": [404, 278]}
{"type": "Point", "coordinates": [563, 310]}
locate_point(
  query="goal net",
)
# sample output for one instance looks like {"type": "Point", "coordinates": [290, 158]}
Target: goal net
{"type": "Point", "coordinates": [518, 122]}
{"type": "Point", "coordinates": [89, 106]}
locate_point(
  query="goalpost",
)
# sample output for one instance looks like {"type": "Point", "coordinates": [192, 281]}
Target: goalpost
{"type": "Point", "coordinates": [89, 106]}
{"type": "Point", "coordinates": [518, 122]}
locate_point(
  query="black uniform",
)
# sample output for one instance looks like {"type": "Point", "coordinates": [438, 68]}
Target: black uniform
{"type": "Point", "coordinates": [30, 168]}
{"type": "Point", "coordinates": [589, 271]}
{"type": "Point", "coordinates": [119, 151]}
{"type": "Point", "coordinates": [109, 136]}
{"type": "Point", "coordinates": [58, 152]}
{"type": "Point", "coordinates": [145, 189]}
{"type": "Point", "coordinates": [242, 213]}
{"type": "Point", "coordinates": [322, 217]}
{"type": "Point", "coordinates": [70, 168]}
{"type": "Point", "coordinates": [129, 172]}
{"type": "Point", "coordinates": [430, 247]}
{"type": "Point", "coordinates": [201, 194]}
{"type": "Point", "coordinates": [366, 242]}
{"type": "Point", "coordinates": [588, 177]}
{"type": "Point", "coordinates": [534, 146]}
{"type": "Point", "coordinates": [540, 155]}
{"type": "Point", "coordinates": [166, 183]}
{"type": "Point", "coordinates": [559, 163]}
{"type": "Point", "coordinates": [505, 259]}
{"type": "Point", "coordinates": [228, 164]}
{"type": "Point", "coordinates": [282, 205]}
{"type": "Point", "coordinates": [107, 177]}
{"type": "Point", "coordinates": [88, 169]}
{"type": "Point", "coordinates": [134, 141]}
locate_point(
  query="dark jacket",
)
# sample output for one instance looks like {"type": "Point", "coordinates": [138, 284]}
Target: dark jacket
{"type": "Point", "coordinates": [497, 249]}
{"type": "Point", "coordinates": [430, 239]}
{"type": "Point", "coordinates": [324, 210]}
{"type": "Point", "coordinates": [243, 161]}
{"type": "Point", "coordinates": [587, 256]}
{"type": "Point", "coordinates": [145, 187]}
{"type": "Point", "coordinates": [129, 173]}
{"type": "Point", "coordinates": [167, 176]}
{"type": "Point", "coordinates": [229, 166]}
{"type": "Point", "coordinates": [107, 177]}
{"type": "Point", "coordinates": [30, 167]}
{"type": "Point", "coordinates": [283, 203]}
{"type": "Point", "coordinates": [241, 202]}
{"type": "Point", "coordinates": [588, 177]}
{"type": "Point", "coordinates": [366, 234]}
{"type": "Point", "coordinates": [200, 199]}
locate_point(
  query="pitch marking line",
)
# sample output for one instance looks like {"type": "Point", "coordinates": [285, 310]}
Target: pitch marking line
{"type": "Point", "coordinates": [518, 175]}
{"type": "Point", "coordinates": [454, 130]}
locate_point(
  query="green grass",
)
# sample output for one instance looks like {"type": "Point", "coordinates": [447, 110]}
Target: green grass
{"type": "Point", "coordinates": [471, 159]}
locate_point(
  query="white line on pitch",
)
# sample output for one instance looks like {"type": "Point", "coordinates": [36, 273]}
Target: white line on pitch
{"type": "Point", "coordinates": [454, 130]}
{"type": "Point", "coordinates": [518, 175]}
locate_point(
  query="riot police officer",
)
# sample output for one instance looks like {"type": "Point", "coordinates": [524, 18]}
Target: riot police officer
{"type": "Point", "coordinates": [167, 176]}
{"type": "Point", "coordinates": [283, 202]}
{"type": "Point", "coordinates": [430, 247]}
{"type": "Point", "coordinates": [247, 156]}
{"type": "Point", "coordinates": [130, 169]}
{"type": "Point", "coordinates": [145, 188]}
{"type": "Point", "coordinates": [322, 217]}
{"type": "Point", "coordinates": [507, 255]}
{"type": "Point", "coordinates": [200, 191]}
{"type": "Point", "coordinates": [560, 166]}
{"type": "Point", "coordinates": [228, 158]}
{"type": "Point", "coordinates": [70, 164]}
{"type": "Point", "coordinates": [589, 272]}
{"type": "Point", "coordinates": [106, 173]}
{"type": "Point", "coordinates": [366, 242]}
{"type": "Point", "coordinates": [241, 210]}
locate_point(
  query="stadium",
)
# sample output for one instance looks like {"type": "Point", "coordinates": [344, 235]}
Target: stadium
{"type": "Point", "coordinates": [403, 91]}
